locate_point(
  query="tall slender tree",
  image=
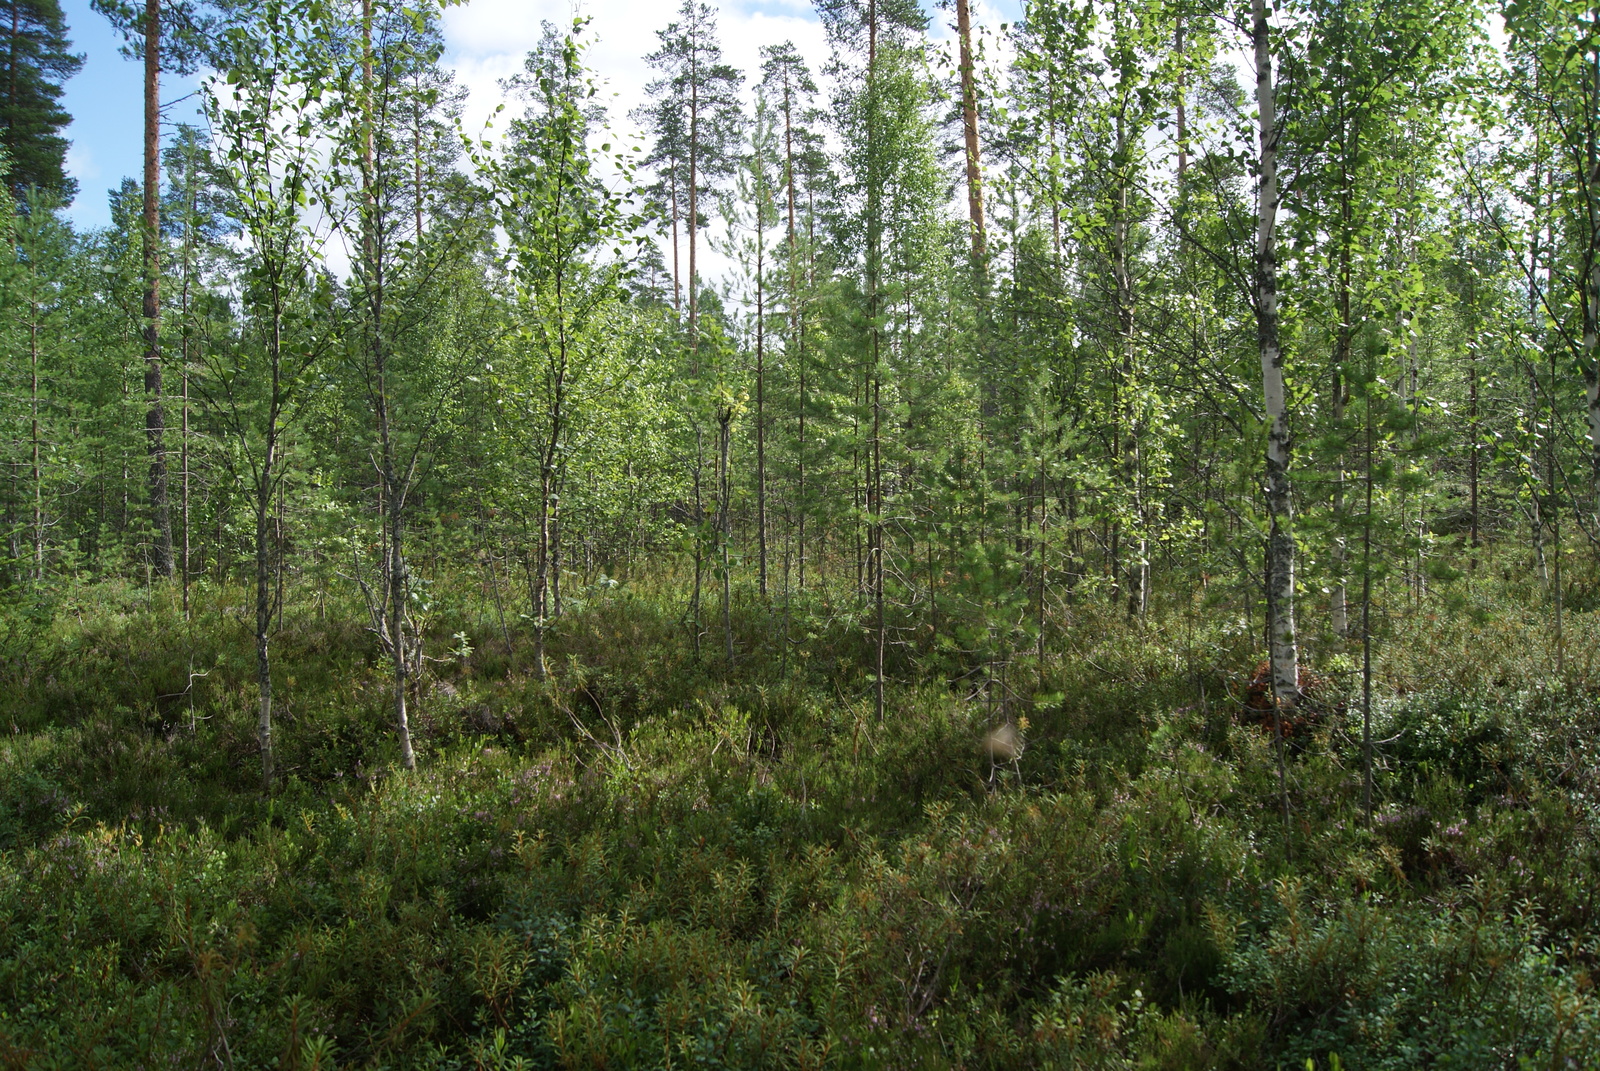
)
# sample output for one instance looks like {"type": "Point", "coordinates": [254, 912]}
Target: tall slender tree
{"type": "Point", "coordinates": [969, 135]}
{"type": "Point", "coordinates": [197, 217]}
{"type": "Point", "coordinates": [174, 39]}
{"type": "Point", "coordinates": [559, 218]}
{"type": "Point", "coordinates": [696, 94]}
{"type": "Point", "coordinates": [696, 98]}
{"type": "Point", "coordinates": [266, 116]}
{"type": "Point", "coordinates": [880, 116]}
{"type": "Point", "coordinates": [1554, 84]}
{"type": "Point", "coordinates": [399, 121]}
{"type": "Point", "coordinates": [753, 211]}
{"type": "Point", "coordinates": [1282, 642]}
{"type": "Point", "coordinates": [33, 266]}
{"type": "Point", "coordinates": [788, 85]}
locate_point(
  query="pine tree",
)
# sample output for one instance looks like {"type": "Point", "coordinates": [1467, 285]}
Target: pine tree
{"type": "Point", "coordinates": [697, 95]}
{"type": "Point", "coordinates": [37, 60]}
{"type": "Point", "coordinates": [879, 109]}
{"type": "Point", "coordinates": [149, 31]}
{"type": "Point", "coordinates": [696, 119]}
{"type": "Point", "coordinates": [194, 215]}
{"type": "Point", "coordinates": [788, 85]}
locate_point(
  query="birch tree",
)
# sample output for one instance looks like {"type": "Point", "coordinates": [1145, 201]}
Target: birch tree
{"type": "Point", "coordinates": [1284, 652]}
{"type": "Point", "coordinates": [1554, 83]}
{"type": "Point", "coordinates": [559, 219]}
{"type": "Point", "coordinates": [266, 119]}
{"type": "Point", "coordinates": [408, 385]}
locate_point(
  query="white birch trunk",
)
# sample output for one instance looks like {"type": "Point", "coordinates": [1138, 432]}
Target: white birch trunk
{"type": "Point", "coordinates": [1280, 545]}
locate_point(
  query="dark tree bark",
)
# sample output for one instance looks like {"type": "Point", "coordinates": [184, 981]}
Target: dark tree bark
{"type": "Point", "coordinates": [969, 133]}
{"type": "Point", "coordinates": [155, 416]}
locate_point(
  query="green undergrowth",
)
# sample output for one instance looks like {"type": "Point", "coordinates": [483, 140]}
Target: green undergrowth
{"type": "Point", "coordinates": [650, 861]}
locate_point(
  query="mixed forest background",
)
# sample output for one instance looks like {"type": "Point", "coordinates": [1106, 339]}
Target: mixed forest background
{"type": "Point", "coordinates": [994, 337]}
{"type": "Point", "coordinates": [1178, 337]}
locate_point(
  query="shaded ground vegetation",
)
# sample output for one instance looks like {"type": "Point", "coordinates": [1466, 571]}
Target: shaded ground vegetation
{"type": "Point", "coordinates": [647, 861]}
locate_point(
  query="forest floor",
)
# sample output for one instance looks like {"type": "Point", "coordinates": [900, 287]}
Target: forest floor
{"type": "Point", "coordinates": [1079, 861]}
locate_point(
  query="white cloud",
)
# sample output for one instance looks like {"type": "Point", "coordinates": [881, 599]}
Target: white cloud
{"type": "Point", "coordinates": [81, 164]}
{"type": "Point", "coordinates": [487, 40]}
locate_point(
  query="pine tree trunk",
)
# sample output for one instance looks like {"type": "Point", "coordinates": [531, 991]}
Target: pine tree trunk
{"type": "Point", "coordinates": [677, 280]}
{"type": "Point", "coordinates": [694, 207]}
{"type": "Point", "coordinates": [694, 342]}
{"type": "Point", "coordinates": [1366, 624]}
{"type": "Point", "coordinates": [184, 461]}
{"type": "Point", "coordinates": [724, 444]}
{"type": "Point", "coordinates": [811, 288]}
{"type": "Point", "coordinates": [33, 404]}
{"type": "Point", "coordinates": [761, 399]}
{"type": "Point", "coordinates": [877, 529]}
{"type": "Point", "coordinates": [1338, 603]}
{"type": "Point", "coordinates": [969, 132]}
{"type": "Point", "coordinates": [875, 382]}
{"type": "Point", "coordinates": [155, 419]}
{"type": "Point", "coordinates": [184, 358]}
{"type": "Point", "coordinates": [796, 337]}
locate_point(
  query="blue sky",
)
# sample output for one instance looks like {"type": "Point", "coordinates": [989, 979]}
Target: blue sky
{"type": "Point", "coordinates": [487, 40]}
{"type": "Point", "coordinates": [106, 102]}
